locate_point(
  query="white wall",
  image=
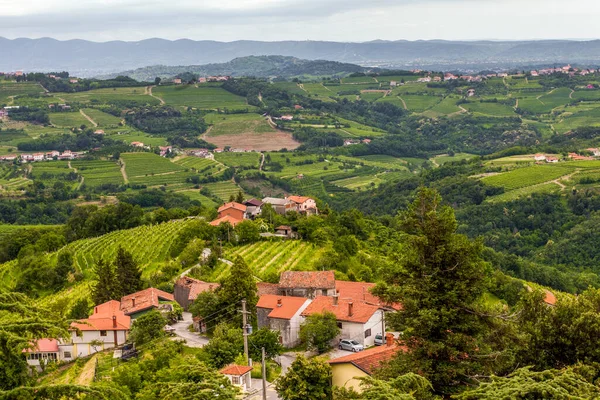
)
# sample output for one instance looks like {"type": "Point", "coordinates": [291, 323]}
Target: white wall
{"type": "Point", "coordinates": [80, 345]}
{"type": "Point", "coordinates": [356, 331]}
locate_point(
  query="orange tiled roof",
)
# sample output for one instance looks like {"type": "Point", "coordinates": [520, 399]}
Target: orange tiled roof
{"type": "Point", "coordinates": [361, 312]}
{"type": "Point", "coordinates": [361, 291]}
{"type": "Point", "coordinates": [237, 370]}
{"type": "Point", "coordinates": [233, 204]}
{"type": "Point", "coordinates": [298, 199]}
{"type": "Point", "coordinates": [102, 319]}
{"type": "Point", "coordinates": [370, 359]}
{"type": "Point", "coordinates": [307, 279]}
{"type": "Point", "coordinates": [144, 300]}
{"type": "Point", "coordinates": [227, 218]}
{"type": "Point", "coordinates": [43, 346]}
{"type": "Point", "coordinates": [282, 307]}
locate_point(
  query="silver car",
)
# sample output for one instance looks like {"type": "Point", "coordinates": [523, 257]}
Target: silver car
{"type": "Point", "coordinates": [351, 345]}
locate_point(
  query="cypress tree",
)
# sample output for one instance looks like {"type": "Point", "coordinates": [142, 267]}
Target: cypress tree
{"type": "Point", "coordinates": [107, 285]}
{"type": "Point", "coordinates": [128, 273]}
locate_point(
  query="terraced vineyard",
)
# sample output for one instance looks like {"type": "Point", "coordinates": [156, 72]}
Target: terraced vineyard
{"type": "Point", "coordinates": [99, 172]}
{"type": "Point", "coordinates": [270, 257]}
{"type": "Point", "coordinates": [148, 244]}
{"type": "Point", "coordinates": [239, 159]}
{"type": "Point", "coordinates": [198, 163]}
{"type": "Point", "coordinates": [68, 119]}
{"type": "Point", "coordinates": [142, 164]}
{"type": "Point", "coordinates": [102, 118]}
{"type": "Point", "coordinates": [223, 190]}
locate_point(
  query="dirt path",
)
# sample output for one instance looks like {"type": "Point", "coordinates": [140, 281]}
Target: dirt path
{"type": "Point", "coordinates": [326, 88]}
{"type": "Point", "coordinates": [564, 178]}
{"type": "Point", "coordinates": [86, 377]}
{"type": "Point", "coordinates": [156, 97]}
{"type": "Point", "coordinates": [88, 118]}
{"type": "Point", "coordinates": [517, 104]}
{"type": "Point", "coordinates": [262, 161]}
{"type": "Point", "coordinates": [205, 134]}
{"type": "Point", "coordinates": [301, 86]}
{"type": "Point", "coordinates": [571, 94]}
{"type": "Point", "coordinates": [403, 103]}
{"type": "Point", "coordinates": [75, 170]}
{"type": "Point", "coordinates": [123, 172]}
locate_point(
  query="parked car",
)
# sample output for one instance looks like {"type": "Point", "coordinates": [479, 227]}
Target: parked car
{"type": "Point", "coordinates": [379, 340]}
{"type": "Point", "coordinates": [351, 345]}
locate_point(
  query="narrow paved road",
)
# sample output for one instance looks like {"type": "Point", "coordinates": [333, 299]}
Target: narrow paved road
{"type": "Point", "coordinates": [182, 332]}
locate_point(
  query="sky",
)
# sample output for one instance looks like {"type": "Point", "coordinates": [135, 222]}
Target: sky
{"type": "Point", "coordinates": [273, 20]}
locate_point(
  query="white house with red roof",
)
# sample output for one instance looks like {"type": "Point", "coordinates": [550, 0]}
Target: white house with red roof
{"type": "Point", "coordinates": [108, 324]}
{"type": "Point", "coordinates": [282, 314]}
{"type": "Point", "coordinates": [357, 320]}
{"type": "Point", "coordinates": [239, 375]}
{"type": "Point", "coordinates": [42, 351]}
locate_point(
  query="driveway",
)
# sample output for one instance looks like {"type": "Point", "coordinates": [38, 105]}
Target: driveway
{"type": "Point", "coordinates": [337, 353]}
{"type": "Point", "coordinates": [182, 332]}
{"type": "Point", "coordinates": [257, 385]}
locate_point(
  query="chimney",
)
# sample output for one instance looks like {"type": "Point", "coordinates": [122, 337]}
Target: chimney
{"type": "Point", "coordinates": [96, 310]}
{"type": "Point", "coordinates": [389, 339]}
{"type": "Point", "coordinates": [336, 297]}
{"type": "Point", "coordinates": [364, 293]}
{"type": "Point", "coordinates": [133, 302]}
{"type": "Point", "coordinates": [350, 307]}
{"type": "Point", "coordinates": [278, 302]}
{"type": "Point", "coordinates": [114, 321]}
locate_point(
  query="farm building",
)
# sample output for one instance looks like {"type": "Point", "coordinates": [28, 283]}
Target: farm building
{"type": "Point", "coordinates": [308, 284]}
{"type": "Point", "coordinates": [239, 375]}
{"type": "Point", "coordinates": [301, 204]}
{"type": "Point", "coordinates": [187, 289]}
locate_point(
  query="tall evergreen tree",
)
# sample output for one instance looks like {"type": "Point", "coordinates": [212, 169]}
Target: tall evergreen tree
{"type": "Point", "coordinates": [128, 273]}
{"type": "Point", "coordinates": [107, 286]}
{"type": "Point", "coordinates": [438, 279]}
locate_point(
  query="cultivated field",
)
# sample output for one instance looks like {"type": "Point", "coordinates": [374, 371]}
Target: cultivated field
{"type": "Point", "coordinates": [137, 94]}
{"type": "Point", "coordinates": [101, 118]}
{"type": "Point", "coordinates": [98, 172]}
{"type": "Point", "coordinates": [69, 120]}
{"type": "Point", "coordinates": [203, 97]}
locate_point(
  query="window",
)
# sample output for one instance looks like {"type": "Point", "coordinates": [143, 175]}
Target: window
{"type": "Point", "coordinates": [367, 333]}
{"type": "Point", "coordinates": [67, 354]}
{"type": "Point", "coordinates": [102, 333]}
{"type": "Point", "coordinates": [324, 292]}
{"type": "Point", "coordinates": [235, 380]}
{"type": "Point", "coordinates": [339, 325]}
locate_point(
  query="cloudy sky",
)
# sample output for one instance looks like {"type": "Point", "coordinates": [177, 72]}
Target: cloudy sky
{"type": "Point", "coordinates": [337, 20]}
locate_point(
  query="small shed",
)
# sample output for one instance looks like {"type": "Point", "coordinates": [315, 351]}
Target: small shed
{"type": "Point", "coordinates": [239, 375]}
{"type": "Point", "coordinates": [284, 230]}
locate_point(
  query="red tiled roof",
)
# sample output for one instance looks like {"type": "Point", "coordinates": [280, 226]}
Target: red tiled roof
{"type": "Point", "coordinates": [227, 218]}
{"type": "Point", "coordinates": [237, 370]}
{"type": "Point", "coordinates": [549, 298]}
{"type": "Point", "coordinates": [288, 308]}
{"type": "Point", "coordinates": [143, 300]}
{"type": "Point", "coordinates": [233, 204]}
{"type": "Point", "coordinates": [43, 346]}
{"type": "Point", "coordinates": [370, 359]}
{"type": "Point", "coordinates": [267, 288]}
{"type": "Point", "coordinates": [253, 202]}
{"type": "Point", "coordinates": [361, 292]}
{"type": "Point", "coordinates": [283, 228]}
{"type": "Point", "coordinates": [361, 312]}
{"type": "Point", "coordinates": [106, 317]}
{"type": "Point", "coordinates": [196, 286]}
{"type": "Point", "coordinates": [307, 279]}
{"type": "Point", "coordinates": [298, 199]}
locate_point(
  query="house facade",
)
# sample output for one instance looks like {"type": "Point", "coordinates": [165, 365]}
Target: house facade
{"type": "Point", "coordinates": [357, 320]}
{"type": "Point", "coordinates": [301, 204]}
{"type": "Point", "coordinates": [239, 375]}
{"type": "Point", "coordinates": [41, 352]}
{"type": "Point", "coordinates": [232, 212]}
{"type": "Point", "coordinates": [282, 314]}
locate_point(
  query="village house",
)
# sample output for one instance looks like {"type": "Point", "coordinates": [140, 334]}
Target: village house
{"type": "Point", "coordinates": [470, 92]}
{"type": "Point", "coordinates": [301, 204]}
{"type": "Point", "coordinates": [164, 150]}
{"type": "Point", "coordinates": [238, 375]}
{"type": "Point", "coordinates": [298, 107]}
{"type": "Point", "coordinates": [357, 320]}
{"type": "Point", "coordinates": [73, 80]}
{"type": "Point", "coordinates": [534, 73]}
{"type": "Point", "coordinates": [52, 154]}
{"type": "Point", "coordinates": [38, 157]}
{"type": "Point", "coordinates": [449, 77]}
{"type": "Point", "coordinates": [539, 157]}
{"type": "Point", "coordinates": [201, 153]}
{"type": "Point", "coordinates": [137, 144]}
{"type": "Point", "coordinates": [282, 314]}
{"type": "Point", "coordinates": [99, 132]}
{"type": "Point", "coordinates": [232, 212]}
{"type": "Point", "coordinates": [177, 81]}
{"type": "Point", "coordinates": [346, 370]}
{"type": "Point", "coordinates": [277, 204]}
{"type": "Point", "coordinates": [350, 142]}
{"type": "Point", "coordinates": [393, 83]}
{"type": "Point", "coordinates": [253, 208]}
{"type": "Point", "coordinates": [8, 157]}
{"type": "Point", "coordinates": [366, 141]}
{"type": "Point", "coordinates": [139, 303]}
{"type": "Point", "coordinates": [361, 292]}
{"type": "Point", "coordinates": [187, 289]}
{"type": "Point", "coordinates": [42, 351]}
{"type": "Point", "coordinates": [309, 284]}
{"type": "Point", "coordinates": [594, 151]}
{"type": "Point", "coordinates": [284, 231]}
{"type": "Point", "coordinates": [550, 159]}
{"type": "Point", "coordinates": [108, 325]}
{"type": "Point", "coordinates": [424, 80]}
{"type": "Point", "coordinates": [437, 78]}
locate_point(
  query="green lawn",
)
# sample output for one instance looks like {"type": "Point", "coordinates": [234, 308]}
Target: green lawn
{"type": "Point", "coordinates": [202, 97]}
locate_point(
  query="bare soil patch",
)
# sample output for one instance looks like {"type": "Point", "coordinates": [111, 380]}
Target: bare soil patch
{"type": "Point", "coordinates": [269, 141]}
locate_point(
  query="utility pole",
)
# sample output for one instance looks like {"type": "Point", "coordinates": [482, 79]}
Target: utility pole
{"type": "Point", "coordinates": [264, 375]}
{"type": "Point", "coordinates": [245, 329]}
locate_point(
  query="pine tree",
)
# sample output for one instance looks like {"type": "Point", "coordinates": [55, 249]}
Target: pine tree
{"type": "Point", "coordinates": [128, 273]}
{"type": "Point", "coordinates": [107, 285]}
{"type": "Point", "coordinates": [439, 278]}
{"type": "Point", "coordinates": [240, 197]}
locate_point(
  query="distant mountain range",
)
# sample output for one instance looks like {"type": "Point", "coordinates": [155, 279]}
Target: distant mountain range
{"type": "Point", "coordinates": [85, 58]}
{"type": "Point", "coordinates": [259, 66]}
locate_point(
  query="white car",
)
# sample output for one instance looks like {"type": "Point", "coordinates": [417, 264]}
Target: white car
{"type": "Point", "coordinates": [351, 345]}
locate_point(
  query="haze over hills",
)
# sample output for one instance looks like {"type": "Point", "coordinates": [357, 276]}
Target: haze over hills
{"type": "Point", "coordinates": [87, 58]}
